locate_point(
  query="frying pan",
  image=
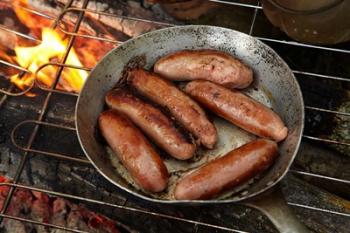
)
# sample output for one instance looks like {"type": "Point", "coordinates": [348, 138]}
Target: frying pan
{"type": "Point", "coordinates": [274, 85]}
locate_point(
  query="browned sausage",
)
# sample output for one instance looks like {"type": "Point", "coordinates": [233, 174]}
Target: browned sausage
{"type": "Point", "coordinates": [153, 123]}
{"type": "Point", "coordinates": [214, 66]}
{"type": "Point", "coordinates": [233, 169]}
{"type": "Point", "coordinates": [239, 109]}
{"type": "Point", "coordinates": [134, 151]}
{"type": "Point", "coordinates": [182, 107]}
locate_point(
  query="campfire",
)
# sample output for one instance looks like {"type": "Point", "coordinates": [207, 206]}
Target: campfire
{"type": "Point", "coordinates": [51, 47]}
{"type": "Point", "coordinates": [73, 196]}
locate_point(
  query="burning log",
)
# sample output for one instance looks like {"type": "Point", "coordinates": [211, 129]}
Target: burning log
{"type": "Point", "coordinates": [43, 208]}
{"type": "Point", "coordinates": [131, 28]}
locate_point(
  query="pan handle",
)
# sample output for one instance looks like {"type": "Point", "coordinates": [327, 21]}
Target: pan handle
{"type": "Point", "coordinates": [274, 206]}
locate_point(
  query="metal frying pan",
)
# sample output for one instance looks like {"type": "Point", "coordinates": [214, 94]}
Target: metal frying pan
{"type": "Point", "coordinates": [274, 85]}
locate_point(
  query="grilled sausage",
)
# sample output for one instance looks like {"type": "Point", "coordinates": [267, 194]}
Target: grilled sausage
{"type": "Point", "coordinates": [239, 109]}
{"type": "Point", "coordinates": [182, 107]}
{"type": "Point", "coordinates": [134, 151]}
{"type": "Point", "coordinates": [153, 123]}
{"type": "Point", "coordinates": [214, 66]}
{"type": "Point", "coordinates": [233, 169]}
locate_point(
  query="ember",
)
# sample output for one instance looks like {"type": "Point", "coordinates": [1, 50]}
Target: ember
{"type": "Point", "coordinates": [43, 208]}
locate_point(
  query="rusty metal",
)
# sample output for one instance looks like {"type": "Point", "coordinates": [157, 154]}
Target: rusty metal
{"type": "Point", "coordinates": [59, 65]}
{"type": "Point", "coordinates": [76, 158]}
{"type": "Point", "coordinates": [9, 91]}
{"type": "Point", "coordinates": [19, 34]}
{"type": "Point", "coordinates": [326, 140]}
{"type": "Point", "coordinates": [14, 66]}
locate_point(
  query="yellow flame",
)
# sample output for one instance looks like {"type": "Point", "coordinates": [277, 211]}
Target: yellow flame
{"type": "Point", "coordinates": [52, 46]}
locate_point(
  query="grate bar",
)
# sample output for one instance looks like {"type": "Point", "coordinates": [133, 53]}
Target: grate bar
{"type": "Point", "coordinates": [320, 176]}
{"type": "Point", "coordinates": [4, 97]}
{"type": "Point", "coordinates": [326, 140]}
{"type": "Point", "coordinates": [236, 4]}
{"type": "Point", "coordinates": [14, 66]}
{"type": "Point", "coordinates": [61, 65]}
{"type": "Point", "coordinates": [91, 37]}
{"type": "Point", "coordinates": [36, 12]}
{"type": "Point", "coordinates": [337, 78]}
{"type": "Point", "coordinates": [9, 91]}
{"type": "Point", "coordinates": [304, 45]}
{"type": "Point", "coordinates": [76, 158]}
{"type": "Point", "coordinates": [251, 29]}
{"type": "Point", "coordinates": [319, 209]}
{"type": "Point", "coordinates": [328, 111]}
{"type": "Point", "coordinates": [19, 34]}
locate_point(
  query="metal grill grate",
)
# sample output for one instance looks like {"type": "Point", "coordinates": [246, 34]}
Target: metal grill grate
{"type": "Point", "coordinates": [28, 149]}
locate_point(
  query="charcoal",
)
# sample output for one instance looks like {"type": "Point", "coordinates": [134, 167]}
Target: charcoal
{"type": "Point", "coordinates": [40, 211]}
{"type": "Point", "coordinates": [14, 226]}
{"type": "Point", "coordinates": [43, 208]}
{"type": "Point", "coordinates": [59, 214]}
{"type": "Point", "coordinates": [19, 207]}
{"type": "Point", "coordinates": [75, 219]}
{"type": "Point", "coordinates": [341, 128]}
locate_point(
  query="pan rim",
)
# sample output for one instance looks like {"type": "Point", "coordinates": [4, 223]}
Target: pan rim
{"type": "Point", "coordinates": [210, 201]}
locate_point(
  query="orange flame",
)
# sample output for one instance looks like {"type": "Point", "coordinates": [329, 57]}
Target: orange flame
{"type": "Point", "coordinates": [53, 46]}
{"type": "Point", "coordinates": [32, 58]}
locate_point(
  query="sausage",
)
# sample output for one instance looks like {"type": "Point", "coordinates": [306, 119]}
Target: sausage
{"type": "Point", "coordinates": [214, 66]}
{"type": "Point", "coordinates": [239, 109]}
{"type": "Point", "coordinates": [152, 122]}
{"type": "Point", "coordinates": [134, 151]}
{"type": "Point", "coordinates": [181, 106]}
{"type": "Point", "coordinates": [227, 172]}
